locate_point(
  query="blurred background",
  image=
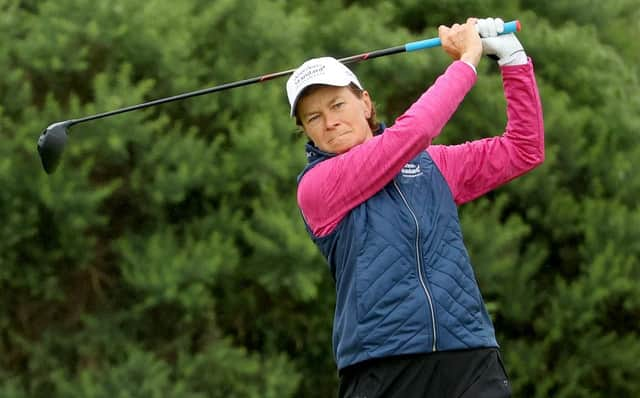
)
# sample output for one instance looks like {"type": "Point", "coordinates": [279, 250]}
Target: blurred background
{"type": "Point", "coordinates": [166, 256]}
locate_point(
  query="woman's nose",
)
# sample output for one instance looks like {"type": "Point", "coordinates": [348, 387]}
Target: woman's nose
{"type": "Point", "coordinates": [331, 120]}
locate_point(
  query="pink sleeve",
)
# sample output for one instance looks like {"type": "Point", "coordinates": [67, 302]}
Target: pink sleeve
{"type": "Point", "coordinates": [474, 168]}
{"type": "Point", "coordinates": [331, 189]}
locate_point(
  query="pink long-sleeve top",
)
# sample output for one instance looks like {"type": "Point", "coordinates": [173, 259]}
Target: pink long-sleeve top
{"type": "Point", "coordinates": [327, 192]}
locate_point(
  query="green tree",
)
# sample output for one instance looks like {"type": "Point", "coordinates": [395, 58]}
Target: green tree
{"type": "Point", "coordinates": [166, 257]}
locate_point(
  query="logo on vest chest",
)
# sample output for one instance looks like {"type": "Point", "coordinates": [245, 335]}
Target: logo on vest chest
{"type": "Point", "coordinates": [411, 170]}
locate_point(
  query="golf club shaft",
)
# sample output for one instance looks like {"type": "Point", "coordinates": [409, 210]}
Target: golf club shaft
{"type": "Point", "coordinates": [509, 27]}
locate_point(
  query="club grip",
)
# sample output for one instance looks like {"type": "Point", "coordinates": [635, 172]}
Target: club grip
{"type": "Point", "coordinates": [509, 27]}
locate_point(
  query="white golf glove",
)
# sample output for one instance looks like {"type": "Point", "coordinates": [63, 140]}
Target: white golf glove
{"type": "Point", "coordinates": [506, 47]}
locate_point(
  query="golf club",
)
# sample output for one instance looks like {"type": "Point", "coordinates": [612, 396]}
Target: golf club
{"type": "Point", "coordinates": [52, 140]}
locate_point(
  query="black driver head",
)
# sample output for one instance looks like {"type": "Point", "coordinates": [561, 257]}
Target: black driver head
{"type": "Point", "coordinates": [51, 145]}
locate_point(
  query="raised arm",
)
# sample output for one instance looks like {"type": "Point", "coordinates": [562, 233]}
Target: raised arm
{"type": "Point", "coordinates": [332, 188]}
{"type": "Point", "coordinates": [474, 168]}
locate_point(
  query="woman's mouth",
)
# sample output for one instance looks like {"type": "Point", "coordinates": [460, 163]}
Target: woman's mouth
{"type": "Point", "coordinates": [338, 136]}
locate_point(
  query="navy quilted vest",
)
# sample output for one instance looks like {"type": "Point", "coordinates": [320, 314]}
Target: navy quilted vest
{"type": "Point", "coordinates": [404, 282]}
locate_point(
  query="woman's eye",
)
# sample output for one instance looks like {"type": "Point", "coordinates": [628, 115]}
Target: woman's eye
{"type": "Point", "coordinates": [338, 105]}
{"type": "Point", "coordinates": [312, 118]}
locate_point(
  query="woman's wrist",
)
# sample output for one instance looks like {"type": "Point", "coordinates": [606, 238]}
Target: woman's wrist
{"type": "Point", "coordinates": [471, 57]}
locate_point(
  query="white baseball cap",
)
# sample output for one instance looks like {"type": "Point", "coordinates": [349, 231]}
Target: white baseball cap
{"type": "Point", "coordinates": [325, 70]}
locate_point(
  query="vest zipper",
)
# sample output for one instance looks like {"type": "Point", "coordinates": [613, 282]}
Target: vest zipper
{"type": "Point", "coordinates": [419, 265]}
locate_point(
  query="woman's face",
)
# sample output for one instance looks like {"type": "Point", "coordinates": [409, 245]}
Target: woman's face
{"type": "Point", "coordinates": [334, 118]}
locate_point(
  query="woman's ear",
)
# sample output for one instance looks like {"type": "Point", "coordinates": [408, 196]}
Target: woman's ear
{"type": "Point", "coordinates": [368, 106]}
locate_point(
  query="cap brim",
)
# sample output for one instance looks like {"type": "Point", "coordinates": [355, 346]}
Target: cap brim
{"type": "Point", "coordinates": [319, 82]}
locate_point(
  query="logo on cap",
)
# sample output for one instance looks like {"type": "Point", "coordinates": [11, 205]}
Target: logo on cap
{"type": "Point", "coordinates": [310, 72]}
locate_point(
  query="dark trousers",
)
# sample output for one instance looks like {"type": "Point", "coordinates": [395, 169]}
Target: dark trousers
{"type": "Point", "coordinates": [477, 373]}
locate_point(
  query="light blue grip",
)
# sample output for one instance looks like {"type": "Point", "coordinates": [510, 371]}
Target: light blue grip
{"type": "Point", "coordinates": [509, 27]}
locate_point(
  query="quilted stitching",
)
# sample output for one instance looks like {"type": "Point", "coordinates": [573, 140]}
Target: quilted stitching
{"type": "Point", "coordinates": [381, 307]}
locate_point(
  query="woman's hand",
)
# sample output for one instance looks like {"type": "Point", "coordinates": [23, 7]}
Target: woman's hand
{"type": "Point", "coordinates": [507, 48]}
{"type": "Point", "coordinates": [462, 41]}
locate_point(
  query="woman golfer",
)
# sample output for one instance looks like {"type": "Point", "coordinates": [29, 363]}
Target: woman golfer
{"type": "Point", "coordinates": [380, 203]}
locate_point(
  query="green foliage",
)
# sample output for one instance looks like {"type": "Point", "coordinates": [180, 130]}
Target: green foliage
{"type": "Point", "coordinates": [167, 258]}
{"type": "Point", "coordinates": [139, 375]}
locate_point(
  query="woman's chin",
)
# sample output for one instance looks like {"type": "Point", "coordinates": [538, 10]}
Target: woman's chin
{"type": "Point", "coordinates": [343, 146]}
